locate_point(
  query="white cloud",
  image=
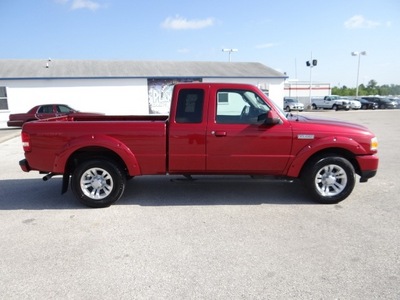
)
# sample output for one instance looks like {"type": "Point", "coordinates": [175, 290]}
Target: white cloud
{"type": "Point", "coordinates": [80, 4]}
{"type": "Point", "coordinates": [183, 50]}
{"type": "Point", "coordinates": [358, 21]}
{"type": "Point", "coordinates": [179, 23]}
{"type": "Point", "coordinates": [267, 45]}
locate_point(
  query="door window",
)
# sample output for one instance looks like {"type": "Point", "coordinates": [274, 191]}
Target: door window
{"type": "Point", "coordinates": [46, 109]}
{"type": "Point", "coordinates": [239, 107]}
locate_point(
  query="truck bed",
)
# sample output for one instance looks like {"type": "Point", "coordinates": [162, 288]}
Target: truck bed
{"type": "Point", "coordinates": [145, 136]}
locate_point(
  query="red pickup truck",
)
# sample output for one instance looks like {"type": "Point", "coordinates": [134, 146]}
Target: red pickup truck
{"type": "Point", "coordinates": [213, 128]}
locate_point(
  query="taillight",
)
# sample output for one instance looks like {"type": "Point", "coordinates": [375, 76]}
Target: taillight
{"type": "Point", "coordinates": [26, 141]}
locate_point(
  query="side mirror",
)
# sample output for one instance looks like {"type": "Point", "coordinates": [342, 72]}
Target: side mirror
{"type": "Point", "coordinates": [269, 118]}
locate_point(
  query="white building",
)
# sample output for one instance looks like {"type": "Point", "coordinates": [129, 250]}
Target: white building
{"type": "Point", "coordinates": [301, 90]}
{"type": "Point", "coordinates": [118, 87]}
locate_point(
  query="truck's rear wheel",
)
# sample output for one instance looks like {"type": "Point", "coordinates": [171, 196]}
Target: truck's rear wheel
{"type": "Point", "coordinates": [329, 179]}
{"type": "Point", "coordinates": [98, 183]}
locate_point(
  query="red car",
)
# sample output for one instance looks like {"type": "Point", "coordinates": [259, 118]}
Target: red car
{"type": "Point", "coordinates": [44, 111]}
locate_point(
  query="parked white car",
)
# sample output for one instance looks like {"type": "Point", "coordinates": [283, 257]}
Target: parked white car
{"type": "Point", "coordinates": [354, 104]}
{"type": "Point", "coordinates": [290, 104]}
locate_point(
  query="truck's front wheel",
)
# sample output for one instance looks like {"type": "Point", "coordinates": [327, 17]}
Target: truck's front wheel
{"type": "Point", "coordinates": [98, 183]}
{"type": "Point", "coordinates": [329, 179]}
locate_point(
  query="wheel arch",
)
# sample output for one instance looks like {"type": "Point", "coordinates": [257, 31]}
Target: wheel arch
{"type": "Point", "coordinates": [348, 155]}
{"type": "Point", "coordinates": [103, 147]}
{"type": "Point", "coordinates": [302, 160]}
{"type": "Point", "coordinates": [93, 152]}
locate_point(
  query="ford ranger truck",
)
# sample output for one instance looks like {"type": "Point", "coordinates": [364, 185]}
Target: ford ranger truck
{"type": "Point", "coordinates": [212, 129]}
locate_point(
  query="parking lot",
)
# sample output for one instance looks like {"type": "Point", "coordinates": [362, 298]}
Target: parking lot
{"type": "Point", "coordinates": [167, 238]}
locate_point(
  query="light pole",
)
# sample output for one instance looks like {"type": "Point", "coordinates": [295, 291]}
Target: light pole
{"type": "Point", "coordinates": [311, 63]}
{"type": "Point", "coordinates": [229, 51]}
{"type": "Point", "coordinates": [355, 53]}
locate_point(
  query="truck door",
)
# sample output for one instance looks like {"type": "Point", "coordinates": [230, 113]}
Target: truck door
{"type": "Point", "coordinates": [187, 132]}
{"type": "Point", "coordinates": [238, 143]}
{"type": "Point", "coordinates": [327, 102]}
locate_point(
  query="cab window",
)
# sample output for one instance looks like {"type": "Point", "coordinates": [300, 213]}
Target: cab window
{"type": "Point", "coordinates": [190, 106]}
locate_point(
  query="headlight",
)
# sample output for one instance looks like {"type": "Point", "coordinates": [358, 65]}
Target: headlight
{"type": "Point", "coordinates": [374, 144]}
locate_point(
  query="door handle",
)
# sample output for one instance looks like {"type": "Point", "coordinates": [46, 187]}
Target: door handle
{"type": "Point", "coordinates": [219, 133]}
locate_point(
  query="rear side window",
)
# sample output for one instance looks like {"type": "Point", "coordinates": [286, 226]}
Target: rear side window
{"type": "Point", "coordinates": [190, 106]}
{"type": "Point", "coordinates": [46, 109]}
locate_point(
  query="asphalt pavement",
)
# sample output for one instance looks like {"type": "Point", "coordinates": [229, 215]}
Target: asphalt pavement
{"type": "Point", "coordinates": [168, 238]}
{"type": "Point", "coordinates": [9, 133]}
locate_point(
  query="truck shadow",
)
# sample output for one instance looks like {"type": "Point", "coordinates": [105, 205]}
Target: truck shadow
{"type": "Point", "coordinates": [208, 190]}
{"type": "Point", "coordinates": [34, 194]}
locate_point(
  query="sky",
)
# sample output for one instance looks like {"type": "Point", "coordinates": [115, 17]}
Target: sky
{"type": "Point", "coordinates": [282, 35]}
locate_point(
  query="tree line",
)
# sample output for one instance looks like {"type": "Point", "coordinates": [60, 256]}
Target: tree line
{"type": "Point", "coordinates": [371, 89]}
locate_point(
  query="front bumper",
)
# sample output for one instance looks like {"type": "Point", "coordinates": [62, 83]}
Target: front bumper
{"type": "Point", "coordinates": [297, 108]}
{"type": "Point", "coordinates": [365, 175]}
{"type": "Point", "coordinates": [368, 166]}
{"type": "Point", "coordinates": [344, 106]}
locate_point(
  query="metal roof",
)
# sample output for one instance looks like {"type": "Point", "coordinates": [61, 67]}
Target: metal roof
{"type": "Point", "coordinates": [57, 69]}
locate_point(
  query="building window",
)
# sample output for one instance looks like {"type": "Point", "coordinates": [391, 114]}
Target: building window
{"type": "Point", "coordinates": [3, 98]}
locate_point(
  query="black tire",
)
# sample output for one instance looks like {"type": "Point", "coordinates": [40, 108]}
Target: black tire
{"type": "Point", "coordinates": [329, 179]}
{"type": "Point", "coordinates": [314, 106]}
{"type": "Point", "coordinates": [335, 107]}
{"type": "Point", "coordinates": [98, 183]}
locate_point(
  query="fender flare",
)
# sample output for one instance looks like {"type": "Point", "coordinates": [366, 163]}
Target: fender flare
{"type": "Point", "coordinates": [98, 140]}
{"type": "Point", "coordinates": [332, 142]}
